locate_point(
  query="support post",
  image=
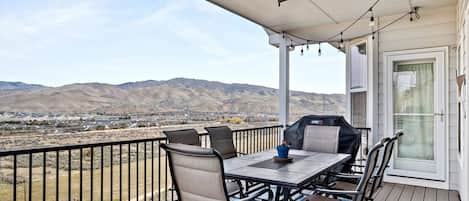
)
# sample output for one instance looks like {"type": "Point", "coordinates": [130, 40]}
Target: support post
{"type": "Point", "coordinates": [284, 84]}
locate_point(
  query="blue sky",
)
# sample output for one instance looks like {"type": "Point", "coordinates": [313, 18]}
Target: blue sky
{"type": "Point", "coordinates": [61, 42]}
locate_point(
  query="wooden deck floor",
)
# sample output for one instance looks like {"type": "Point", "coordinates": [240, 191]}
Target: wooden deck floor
{"type": "Point", "coordinates": [399, 192]}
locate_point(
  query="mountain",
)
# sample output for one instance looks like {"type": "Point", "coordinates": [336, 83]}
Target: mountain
{"type": "Point", "coordinates": [18, 86]}
{"type": "Point", "coordinates": [161, 96]}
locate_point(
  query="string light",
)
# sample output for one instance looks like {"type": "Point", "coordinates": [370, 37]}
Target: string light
{"type": "Point", "coordinates": [416, 13]}
{"type": "Point", "coordinates": [372, 18]}
{"type": "Point", "coordinates": [301, 51]}
{"type": "Point", "coordinates": [413, 14]}
{"type": "Point", "coordinates": [341, 44]}
{"type": "Point", "coordinates": [319, 49]}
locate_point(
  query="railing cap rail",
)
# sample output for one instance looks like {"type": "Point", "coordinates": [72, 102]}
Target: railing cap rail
{"type": "Point", "coordinates": [33, 150]}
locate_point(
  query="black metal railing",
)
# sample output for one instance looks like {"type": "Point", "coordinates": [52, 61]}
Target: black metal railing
{"type": "Point", "coordinates": [120, 170]}
{"type": "Point", "coordinates": [363, 149]}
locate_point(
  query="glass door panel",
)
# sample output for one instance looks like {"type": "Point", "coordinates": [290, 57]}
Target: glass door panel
{"type": "Point", "coordinates": [413, 113]}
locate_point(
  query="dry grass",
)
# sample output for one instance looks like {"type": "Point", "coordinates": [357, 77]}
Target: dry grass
{"type": "Point", "coordinates": [256, 142]}
{"type": "Point", "coordinates": [6, 190]}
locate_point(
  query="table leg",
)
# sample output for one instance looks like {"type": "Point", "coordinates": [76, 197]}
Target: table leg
{"type": "Point", "coordinates": [286, 194]}
{"type": "Point", "coordinates": [277, 193]}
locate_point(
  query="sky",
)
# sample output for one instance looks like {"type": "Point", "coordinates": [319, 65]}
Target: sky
{"type": "Point", "coordinates": [54, 43]}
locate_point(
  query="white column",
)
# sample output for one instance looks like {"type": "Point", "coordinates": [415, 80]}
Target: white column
{"type": "Point", "coordinates": [284, 83]}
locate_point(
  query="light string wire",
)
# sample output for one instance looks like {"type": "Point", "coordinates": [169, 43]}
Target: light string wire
{"type": "Point", "coordinates": [329, 39]}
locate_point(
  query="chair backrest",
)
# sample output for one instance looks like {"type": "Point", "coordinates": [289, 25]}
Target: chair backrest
{"type": "Point", "coordinates": [221, 139]}
{"type": "Point", "coordinates": [189, 166]}
{"type": "Point", "coordinates": [321, 139]}
{"type": "Point", "coordinates": [387, 154]}
{"type": "Point", "coordinates": [187, 136]}
{"type": "Point", "coordinates": [370, 169]}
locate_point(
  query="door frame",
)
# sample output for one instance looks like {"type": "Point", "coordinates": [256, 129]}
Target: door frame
{"type": "Point", "coordinates": [440, 54]}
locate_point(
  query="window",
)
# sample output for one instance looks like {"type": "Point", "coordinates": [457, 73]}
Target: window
{"type": "Point", "coordinates": [358, 67]}
{"type": "Point", "coordinates": [358, 84]}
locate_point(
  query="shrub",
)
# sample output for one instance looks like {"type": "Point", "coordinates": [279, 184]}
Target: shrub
{"type": "Point", "coordinates": [236, 120]}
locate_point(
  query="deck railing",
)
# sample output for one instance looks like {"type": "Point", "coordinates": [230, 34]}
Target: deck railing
{"type": "Point", "coordinates": [120, 170]}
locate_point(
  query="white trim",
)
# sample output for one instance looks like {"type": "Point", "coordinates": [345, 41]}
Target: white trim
{"type": "Point", "coordinates": [358, 90]}
{"type": "Point", "coordinates": [348, 114]}
{"type": "Point", "coordinates": [464, 171]}
{"type": "Point", "coordinates": [416, 182]}
{"type": "Point", "coordinates": [441, 56]}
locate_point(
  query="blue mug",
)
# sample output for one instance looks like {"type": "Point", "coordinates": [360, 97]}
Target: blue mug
{"type": "Point", "coordinates": [282, 151]}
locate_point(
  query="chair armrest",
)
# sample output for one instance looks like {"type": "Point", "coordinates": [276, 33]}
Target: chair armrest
{"type": "Point", "coordinates": [257, 194]}
{"type": "Point", "coordinates": [356, 165]}
{"type": "Point", "coordinates": [348, 176]}
{"type": "Point", "coordinates": [335, 192]}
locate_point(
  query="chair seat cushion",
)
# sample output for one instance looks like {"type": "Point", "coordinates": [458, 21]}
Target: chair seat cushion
{"type": "Point", "coordinates": [319, 198]}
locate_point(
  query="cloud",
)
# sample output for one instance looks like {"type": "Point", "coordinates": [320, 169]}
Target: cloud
{"type": "Point", "coordinates": [47, 19]}
{"type": "Point", "coordinates": [44, 26]}
{"type": "Point", "coordinates": [243, 59]}
{"type": "Point", "coordinates": [163, 13]}
{"type": "Point", "coordinates": [171, 19]}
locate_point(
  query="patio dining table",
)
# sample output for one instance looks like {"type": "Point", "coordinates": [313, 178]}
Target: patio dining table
{"type": "Point", "coordinates": [261, 168]}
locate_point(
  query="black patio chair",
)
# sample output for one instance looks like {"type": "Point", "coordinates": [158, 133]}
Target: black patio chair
{"type": "Point", "coordinates": [186, 136]}
{"type": "Point", "coordinates": [363, 186]}
{"type": "Point", "coordinates": [191, 165]}
{"type": "Point", "coordinates": [221, 139]}
{"type": "Point", "coordinates": [349, 181]}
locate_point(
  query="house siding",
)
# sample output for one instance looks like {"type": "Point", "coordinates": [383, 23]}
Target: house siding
{"type": "Point", "coordinates": [435, 28]}
{"type": "Point", "coordinates": [462, 12]}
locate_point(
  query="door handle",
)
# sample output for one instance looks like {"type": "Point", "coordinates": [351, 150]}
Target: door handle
{"type": "Point", "coordinates": [440, 114]}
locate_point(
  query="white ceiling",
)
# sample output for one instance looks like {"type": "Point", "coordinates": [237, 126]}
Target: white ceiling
{"type": "Point", "coordinates": [305, 19]}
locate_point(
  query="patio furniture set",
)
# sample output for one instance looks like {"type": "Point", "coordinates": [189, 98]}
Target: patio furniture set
{"type": "Point", "coordinates": [319, 171]}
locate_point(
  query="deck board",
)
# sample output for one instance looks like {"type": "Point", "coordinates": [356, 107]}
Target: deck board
{"type": "Point", "coordinates": [430, 194]}
{"type": "Point", "coordinates": [395, 193]}
{"type": "Point", "coordinates": [453, 196]}
{"type": "Point", "coordinates": [384, 192]}
{"type": "Point", "coordinates": [442, 195]}
{"type": "Point", "coordinates": [400, 192]}
{"type": "Point", "coordinates": [407, 193]}
{"type": "Point", "coordinates": [419, 194]}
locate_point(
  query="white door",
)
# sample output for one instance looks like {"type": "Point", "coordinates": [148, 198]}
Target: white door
{"type": "Point", "coordinates": [416, 105]}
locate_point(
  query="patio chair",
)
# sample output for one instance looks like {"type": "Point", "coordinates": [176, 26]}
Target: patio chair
{"type": "Point", "coordinates": [377, 181]}
{"type": "Point", "coordinates": [187, 136]}
{"type": "Point", "coordinates": [387, 154]}
{"type": "Point", "coordinates": [321, 139]}
{"type": "Point", "coordinates": [221, 139]}
{"type": "Point", "coordinates": [191, 165]}
{"type": "Point", "coordinates": [359, 193]}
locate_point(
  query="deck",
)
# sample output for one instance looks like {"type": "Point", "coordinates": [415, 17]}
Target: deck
{"type": "Point", "coordinates": [399, 192]}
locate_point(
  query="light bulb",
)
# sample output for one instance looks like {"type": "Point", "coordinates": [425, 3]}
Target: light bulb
{"type": "Point", "coordinates": [372, 21]}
